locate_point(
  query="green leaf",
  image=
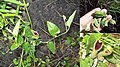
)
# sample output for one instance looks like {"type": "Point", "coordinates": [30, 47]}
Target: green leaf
{"type": "Point", "coordinates": [111, 59]}
{"type": "Point", "coordinates": [12, 20]}
{"type": "Point", "coordinates": [19, 39]}
{"type": "Point", "coordinates": [52, 28]}
{"type": "Point", "coordinates": [97, 35]}
{"type": "Point", "coordinates": [102, 24]}
{"type": "Point", "coordinates": [75, 65]}
{"type": "Point", "coordinates": [15, 61]}
{"type": "Point", "coordinates": [16, 28]}
{"type": "Point", "coordinates": [70, 20]}
{"type": "Point", "coordinates": [26, 47]}
{"type": "Point", "coordinates": [85, 39]}
{"type": "Point", "coordinates": [14, 46]}
{"type": "Point", "coordinates": [28, 65]}
{"type": "Point", "coordinates": [4, 32]}
{"type": "Point", "coordinates": [28, 59]}
{"type": "Point", "coordinates": [15, 2]}
{"type": "Point", "coordinates": [87, 62]}
{"type": "Point", "coordinates": [1, 23]}
{"type": "Point", "coordinates": [95, 22]}
{"type": "Point", "coordinates": [51, 47]}
{"type": "Point", "coordinates": [69, 40]}
{"type": "Point", "coordinates": [8, 11]}
{"type": "Point", "coordinates": [28, 32]}
{"type": "Point", "coordinates": [100, 14]}
{"type": "Point", "coordinates": [112, 21]}
{"type": "Point", "coordinates": [17, 10]}
{"type": "Point", "coordinates": [101, 64]}
{"type": "Point", "coordinates": [9, 15]}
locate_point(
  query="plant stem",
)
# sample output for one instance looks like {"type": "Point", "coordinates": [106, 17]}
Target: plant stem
{"type": "Point", "coordinates": [21, 57]}
{"type": "Point", "coordinates": [27, 11]}
{"type": "Point", "coordinates": [57, 36]}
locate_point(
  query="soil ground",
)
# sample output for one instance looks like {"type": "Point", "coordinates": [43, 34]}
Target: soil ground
{"type": "Point", "coordinates": [40, 12]}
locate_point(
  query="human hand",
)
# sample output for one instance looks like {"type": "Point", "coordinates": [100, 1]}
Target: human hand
{"type": "Point", "coordinates": [88, 18]}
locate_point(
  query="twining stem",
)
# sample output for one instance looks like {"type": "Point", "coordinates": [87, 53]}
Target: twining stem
{"type": "Point", "coordinates": [27, 11]}
{"type": "Point", "coordinates": [21, 57]}
{"type": "Point", "coordinates": [57, 36]}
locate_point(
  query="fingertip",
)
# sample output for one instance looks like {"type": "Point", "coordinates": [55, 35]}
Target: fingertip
{"type": "Point", "coordinates": [104, 10]}
{"type": "Point", "coordinates": [109, 17]}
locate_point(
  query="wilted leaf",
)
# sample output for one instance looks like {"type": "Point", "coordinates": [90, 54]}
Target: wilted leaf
{"type": "Point", "coordinates": [52, 28]}
{"type": "Point", "coordinates": [51, 47]}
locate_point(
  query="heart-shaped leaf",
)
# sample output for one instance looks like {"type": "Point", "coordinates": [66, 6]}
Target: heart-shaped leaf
{"type": "Point", "coordinates": [70, 20]}
{"type": "Point", "coordinates": [52, 28]}
{"type": "Point", "coordinates": [51, 47]}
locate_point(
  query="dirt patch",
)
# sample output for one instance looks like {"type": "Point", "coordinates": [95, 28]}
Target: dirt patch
{"type": "Point", "coordinates": [50, 10]}
{"type": "Point", "coordinates": [40, 12]}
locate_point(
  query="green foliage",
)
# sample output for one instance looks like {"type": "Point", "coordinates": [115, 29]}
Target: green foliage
{"type": "Point", "coordinates": [26, 47]}
{"type": "Point", "coordinates": [71, 41]}
{"type": "Point", "coordinates": [27, 32]}
{"type": "Point", "coordinates": [15, 2]}
{"type": "Point", "coordinates": [53, 29]}
{"type": "Point", "coordinates": [109, 50]}
{"type": "Point", "coordinates": [14, 46]}
{"type": "Point", "coordinates": [111, 5]}
{"type": "Point", "coordinates": [101, 64]}
{"type": "Point", "coordinates": [70, 19]}
{"type": "Point", "coordinates": [87, 62]}
{"type": "Point", "coordinates": [51, 47]}
{"type": "Point", "coordinates": [16, 29]}
{"type": "Point", "coordinates": [20, 39]}
{"type": "Point", "coordinates": [15, 61]}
